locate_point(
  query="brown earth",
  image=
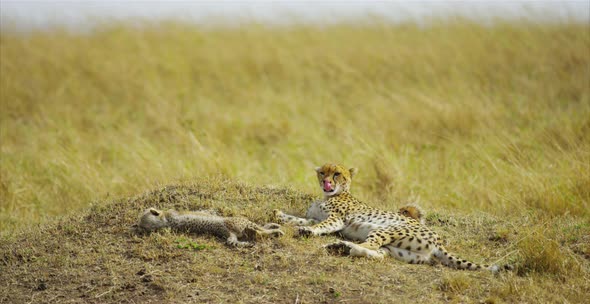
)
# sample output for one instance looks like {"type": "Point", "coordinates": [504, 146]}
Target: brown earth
{"type": "Point", "coordinates": [98, 257]}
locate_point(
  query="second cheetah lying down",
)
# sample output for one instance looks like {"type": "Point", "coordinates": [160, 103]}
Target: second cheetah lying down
{"type": "Point", "coordinates": [380, 233]}
{"type": "Point", "coordinates": [201, 222]}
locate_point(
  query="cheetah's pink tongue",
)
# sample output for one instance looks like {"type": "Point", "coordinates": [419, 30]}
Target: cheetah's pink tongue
{"type": "Point", "coordinates": [327, 186]}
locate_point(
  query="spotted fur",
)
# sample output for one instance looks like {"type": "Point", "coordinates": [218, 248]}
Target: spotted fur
{"type": "Point", "coordinates": [379, 232]}
{"type": "Point", "coordinates": [202, 222]}
{"type": "Point", "coordinates": [315, 215]}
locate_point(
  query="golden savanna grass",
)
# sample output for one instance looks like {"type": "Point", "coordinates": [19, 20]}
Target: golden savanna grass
{"type": "Point", "coordinates": [488, 125]}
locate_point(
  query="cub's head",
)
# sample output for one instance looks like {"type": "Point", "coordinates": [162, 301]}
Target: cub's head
{"type": "Point", "coordinates": [152, 219]}
{"type": "Point", "coordinates": [413, 211]}
{"type": "Point", "coordinates": [334, 179]}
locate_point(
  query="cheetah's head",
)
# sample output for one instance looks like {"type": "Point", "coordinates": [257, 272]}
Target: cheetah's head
{"type": "Point", "coordinates": [334, 179]}
{"type": "Point", "coordinates": [152, 219]}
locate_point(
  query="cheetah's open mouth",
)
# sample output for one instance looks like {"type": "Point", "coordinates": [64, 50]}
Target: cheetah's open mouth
{"type": "Point", "coordinates": [328, 188]}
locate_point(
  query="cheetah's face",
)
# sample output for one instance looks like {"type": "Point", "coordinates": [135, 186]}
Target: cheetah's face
{"type": "Point", "coordinates": [152, 219]}
{"type": "Point", "coordinates": [334, 179]}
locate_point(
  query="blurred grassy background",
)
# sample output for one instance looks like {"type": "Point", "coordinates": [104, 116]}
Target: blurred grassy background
{"type": "Point", "coordinates": [487, 118]}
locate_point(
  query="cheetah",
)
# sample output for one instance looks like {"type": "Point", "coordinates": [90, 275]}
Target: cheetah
{"type": "Point", "coordinates": [413, 211]}
{"type": "Point", "coordinates": [381, 233]}
{"type": "Point", "coordinates": [204, 222]}
{"type": "Point", "coordinates": [315, 215]}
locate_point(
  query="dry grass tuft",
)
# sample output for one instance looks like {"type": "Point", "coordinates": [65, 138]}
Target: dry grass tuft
{"type": "Point", "coordinates": [454, 283]}
{"type": "Point", "coordinates": [540, 252]}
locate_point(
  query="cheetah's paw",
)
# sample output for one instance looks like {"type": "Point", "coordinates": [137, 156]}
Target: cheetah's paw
{"type": "Point", "coordinates": [304, 231]}
{"type": "Point", "coordinates": [338, 248]}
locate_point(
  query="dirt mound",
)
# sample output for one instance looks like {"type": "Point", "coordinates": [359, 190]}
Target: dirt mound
{"type": "Point", "coordinates": [98, 257]}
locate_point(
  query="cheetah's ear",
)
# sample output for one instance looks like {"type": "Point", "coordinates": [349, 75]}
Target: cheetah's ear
{"type": "Point", "coordinates": [353, 171]}
{"type": "Point", "coordinates": [317, 169]}
{"type": "Point", "coordinates": [154, 211]}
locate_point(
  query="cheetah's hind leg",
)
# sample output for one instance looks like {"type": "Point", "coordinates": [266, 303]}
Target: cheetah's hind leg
{"type": "Point", "coordinates": [355, 250]}
{"type": "Point", "coordinates": [232, 241]}
{"type": "Point", "coordinates": [291, 219]}
{"type": "Point", "coordinates": [256, 232]}
{"type": "Point", "coordinates": [272, 226]}
{"type": "Point", "coordinates": [272, 230]}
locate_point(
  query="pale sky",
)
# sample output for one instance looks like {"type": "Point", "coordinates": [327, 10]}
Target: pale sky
{"type": "Point", "coordinates": [43, 13]}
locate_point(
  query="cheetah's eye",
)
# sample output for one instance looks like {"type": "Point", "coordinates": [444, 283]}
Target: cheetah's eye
{"type": "Point", "coordinates": [336, 174]}
{"type": "Point", "coordinates": [321, 173]}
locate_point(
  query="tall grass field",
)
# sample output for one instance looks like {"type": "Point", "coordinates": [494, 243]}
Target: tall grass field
{"type": "Point", "coordinates": [477, 123]}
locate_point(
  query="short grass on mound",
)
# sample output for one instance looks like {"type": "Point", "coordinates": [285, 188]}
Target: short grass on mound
{"type": "Point", "coordinates": [97, 257]}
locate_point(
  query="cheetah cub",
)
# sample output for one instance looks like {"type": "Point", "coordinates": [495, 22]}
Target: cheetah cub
{"type": "Point", "coordinates": [202, 222]}
{"type": "Point", "coordinates": [379, 233]}
{"type": "Point", "coordinates": [413, 211]}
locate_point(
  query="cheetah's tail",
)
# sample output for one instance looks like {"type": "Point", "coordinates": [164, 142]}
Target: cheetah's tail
{"type": "Point", "coordinates": [449, 260]}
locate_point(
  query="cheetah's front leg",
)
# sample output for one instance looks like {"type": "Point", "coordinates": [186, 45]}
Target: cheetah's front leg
{"type": "Point", "coordinates": [330, 225]}
{"type": "Point", "coordinates": [291, 219]}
